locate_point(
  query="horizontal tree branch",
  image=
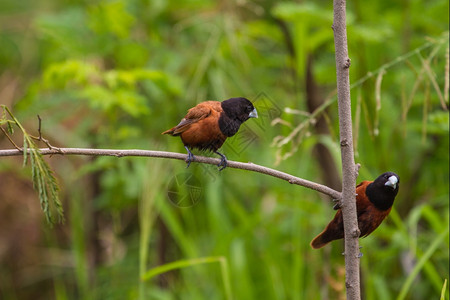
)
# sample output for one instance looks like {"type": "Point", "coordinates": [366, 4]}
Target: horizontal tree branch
{"type": "Point", "coordinates": [173, 155]}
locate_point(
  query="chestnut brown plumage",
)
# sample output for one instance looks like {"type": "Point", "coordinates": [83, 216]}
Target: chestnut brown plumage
{"type": "Point", "coordinates": [207, 125]}
{"type": "Point", "coordinates": [374, 201]}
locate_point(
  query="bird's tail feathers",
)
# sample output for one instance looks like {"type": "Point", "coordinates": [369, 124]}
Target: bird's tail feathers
{"type": "Point", "coordinates": [319, 241]}
{"type": "Point", "coordinates": [170, 131]}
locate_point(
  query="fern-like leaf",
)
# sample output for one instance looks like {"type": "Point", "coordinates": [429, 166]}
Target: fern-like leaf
{"type": "Point", "coordinates": [44, 180]}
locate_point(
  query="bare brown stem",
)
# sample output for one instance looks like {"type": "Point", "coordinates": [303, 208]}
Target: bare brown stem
{"type": "Point", "coordinates": [10, 139]}
{"type": "Point", "coordinates": [173, 155]}
{"type": "Point", "coordinates": [42, 139]}
{"type": "Point", "coordinates": [349, 170]}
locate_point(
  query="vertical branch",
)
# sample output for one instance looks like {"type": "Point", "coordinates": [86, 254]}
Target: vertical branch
{"type": "Point", "coordinates": [351, 230]}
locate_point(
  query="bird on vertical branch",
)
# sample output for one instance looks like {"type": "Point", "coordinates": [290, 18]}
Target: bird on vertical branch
{"type": "Point", "coordinates": [207, 125]}
{"type": "Point", "coordinates": [374, 200]}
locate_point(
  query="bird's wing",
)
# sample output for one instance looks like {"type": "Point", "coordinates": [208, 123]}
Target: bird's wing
{"type": "Point", "coordinates": [365, 182]}
{"type": "Point", "coordinates": [195, 114]}
{"type": "Point", "coordinates": [362, 202]}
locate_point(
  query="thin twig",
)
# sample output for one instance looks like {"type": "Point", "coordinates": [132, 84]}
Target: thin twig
{"type": "Point", "coordinates": [173, 155]}
{"type": "Point", "coordinates": [378, 101]}
{"type": "Point", "coordinates": [41, 139]}
{"type": "Point", "coordinates": [280, 141]}
{"type": "Point", "coordinates": [397, 60]}
{"type": "Point", "coordinates": [429, 72]}
{"type": "Point", "coordinates": [446, 76]}
{"type": "Point", "coordinates": [39, 126]}
{"type": "Point", "coordinates": [10, 140]}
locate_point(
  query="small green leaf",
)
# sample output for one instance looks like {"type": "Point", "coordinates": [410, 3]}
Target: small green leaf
{"type": "Point", "coordinates": [444, 288]}
{"type": "Point", "coordinates": [25, 150]}
{"type": "Point", "coordinates": [10, 128]}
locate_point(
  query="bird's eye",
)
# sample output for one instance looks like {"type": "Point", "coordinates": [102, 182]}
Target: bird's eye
{"type": "Point", "coordinates": [249, 108]}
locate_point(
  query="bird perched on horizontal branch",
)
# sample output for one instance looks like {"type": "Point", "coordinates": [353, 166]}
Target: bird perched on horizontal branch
{"type": "Point", "coordinates": [374, 201]}
{"type": "Point", "coordinates": [207, 125]}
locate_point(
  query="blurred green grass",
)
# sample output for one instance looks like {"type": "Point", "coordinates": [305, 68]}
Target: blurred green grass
{"type": "Point", "coordinates": [116, 74]}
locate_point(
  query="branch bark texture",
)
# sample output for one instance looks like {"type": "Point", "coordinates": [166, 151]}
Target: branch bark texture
{"type": "Point", "coordinates": [349, 174]}
{"type": "Point", "coordinates": [173, 155]}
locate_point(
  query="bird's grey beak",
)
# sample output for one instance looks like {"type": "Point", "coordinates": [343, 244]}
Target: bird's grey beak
{"type": "Point", "coordinates": [392, 182]}
{"type": "Point", "coordinates": [253, 114]}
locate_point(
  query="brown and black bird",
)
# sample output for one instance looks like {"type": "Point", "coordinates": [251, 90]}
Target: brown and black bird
{"type": "Point", "coordinates": [207, 125]}
{"type": "Point", "coordinates": [374, 201]}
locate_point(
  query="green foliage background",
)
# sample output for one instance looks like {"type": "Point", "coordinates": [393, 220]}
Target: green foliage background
{"type": "Point", "coordinates": [115, 74]}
